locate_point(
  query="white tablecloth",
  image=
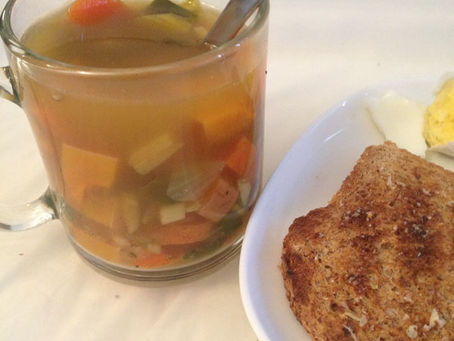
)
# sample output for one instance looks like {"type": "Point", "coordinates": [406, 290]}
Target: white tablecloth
{"type": "Point", "coordinates": [320, 51]}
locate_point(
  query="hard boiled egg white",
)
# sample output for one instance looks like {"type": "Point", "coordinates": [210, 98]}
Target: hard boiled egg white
{"type": "Point", "coordinates": [399, 120]}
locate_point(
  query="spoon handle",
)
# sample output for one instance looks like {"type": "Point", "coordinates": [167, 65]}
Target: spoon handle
{"type": "Point", "coordinates": [230, 21]}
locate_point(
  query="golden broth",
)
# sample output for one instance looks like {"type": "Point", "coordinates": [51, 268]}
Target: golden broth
{"type": "Point", "coordinates": [150, 170]}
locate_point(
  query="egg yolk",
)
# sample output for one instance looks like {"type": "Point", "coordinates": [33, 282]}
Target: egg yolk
{"type": "Point", "coordinates": [439, 117]}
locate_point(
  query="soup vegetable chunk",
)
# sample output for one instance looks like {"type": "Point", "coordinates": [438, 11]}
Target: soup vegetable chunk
{"type": "Point", "coordinates": [149, 174]}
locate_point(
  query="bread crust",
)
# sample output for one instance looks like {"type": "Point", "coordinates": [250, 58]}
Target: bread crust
{"type": "Point", "coordinates": [377, 263]}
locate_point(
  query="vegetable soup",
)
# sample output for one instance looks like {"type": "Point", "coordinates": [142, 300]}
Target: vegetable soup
{"type": "Point", "coordinates": [152, 168]}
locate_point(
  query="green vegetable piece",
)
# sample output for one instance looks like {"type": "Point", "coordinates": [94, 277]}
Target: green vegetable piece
{"type": "Point", "coordinates": [189, 182]}
{"type": "Point", "coordinates": [167, 6]}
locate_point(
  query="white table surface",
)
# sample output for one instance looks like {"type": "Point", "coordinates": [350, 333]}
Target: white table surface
{"type": "Point", "coordinates": [320, 51]}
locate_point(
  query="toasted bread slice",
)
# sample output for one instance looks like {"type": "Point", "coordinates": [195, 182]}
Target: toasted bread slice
{"type": "Point", "coordinates": [377, 263]}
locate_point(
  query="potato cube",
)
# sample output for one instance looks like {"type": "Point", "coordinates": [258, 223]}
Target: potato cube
{"type": "Point", "coordinates": [154, 153]}
{"type": "Point", "coordinates": [130, 210]}
{"type": "Point", "coordinates": [171, 213]}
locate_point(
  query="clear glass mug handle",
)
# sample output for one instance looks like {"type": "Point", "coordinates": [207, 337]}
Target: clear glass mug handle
{"type": "Point", "coordinates": [37, 212]}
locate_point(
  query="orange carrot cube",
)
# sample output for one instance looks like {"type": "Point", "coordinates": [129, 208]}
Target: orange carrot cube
{"type": "Point", "coordinates": [90, 12]}
{"type": "Point", "coordinates": [153, 260]}
{"type": "Point", "coordinates": [193, 229]}
{"type": "Point", "coordinates": [218, 201]}
{"type": "Point", "coordinates": [221, 118]}
{"type": "Point", "coordinates": [83, 169]}
{"type": "Point", "coordinates": [241, 156]}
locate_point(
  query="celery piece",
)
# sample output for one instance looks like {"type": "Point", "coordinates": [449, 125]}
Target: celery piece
{"type": "Point", "coordinates": [166, 6]}
{"type": "Point", "coordinates": [154, 153]}
{"type": "Point", "coordinates": [130, 210]}
{"type": "Point", "coordinates": [169, 25]}
{"type": "Point", "coordinates": [188, 183]}
{"type": "Point", "coordinates": [167, 28]}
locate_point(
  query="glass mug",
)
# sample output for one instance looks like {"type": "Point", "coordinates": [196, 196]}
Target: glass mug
{"type": "Point", "coordinates": [153, 171]}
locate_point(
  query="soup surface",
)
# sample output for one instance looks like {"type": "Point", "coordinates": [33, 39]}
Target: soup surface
{"type": "Point", "coordinates": [131, 36]}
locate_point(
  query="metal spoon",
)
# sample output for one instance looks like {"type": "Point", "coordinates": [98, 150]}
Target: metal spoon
{"type": "Point", "coordinates": [229, 22]}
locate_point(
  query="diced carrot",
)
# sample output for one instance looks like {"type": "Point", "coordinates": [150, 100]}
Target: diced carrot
{"type": "Point", "coordinates": [191, 230]}
{"type": "Point", "coordinates": [82, 169]}
{"type": "Point", "coordinates": [153, 260]}
{"type": "Point", "coordinates": [219, 200]}
{"type": "Point", "coordinates": [90, 12]}
{"type": "Point", "coordinates": [223, 115]}
{"type": "Point", "coordinates": [241, 155]}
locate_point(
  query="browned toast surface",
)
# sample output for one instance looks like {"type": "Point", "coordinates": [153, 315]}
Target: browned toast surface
{"type": "Point", "coordinates": [377, 263]}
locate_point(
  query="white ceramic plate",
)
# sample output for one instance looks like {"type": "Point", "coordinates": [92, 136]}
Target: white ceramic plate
{"type": "Point", "coordinates": [309, 175]}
